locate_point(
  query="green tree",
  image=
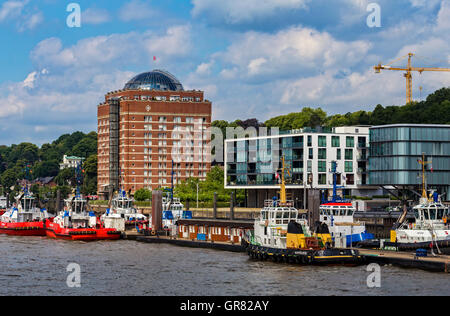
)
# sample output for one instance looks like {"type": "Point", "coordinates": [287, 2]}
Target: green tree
{"type": "Point", "coordinates": [142, 195]}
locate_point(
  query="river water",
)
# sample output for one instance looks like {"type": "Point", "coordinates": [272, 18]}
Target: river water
{"type": "Point", "coordinates": [38, 266]}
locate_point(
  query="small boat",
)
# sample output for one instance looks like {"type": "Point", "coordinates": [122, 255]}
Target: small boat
{"type": "Point", "coordinates": [173, 210]}
{"type": "Point", "coordinates": [281, 233]}
{"type": "Point", "coordinates": [431, 229]}
{"type": "Point", "coordinates": [75, 222]}
{"type": "Point", "coordinates": [121, 206]}
{"type": "Point", "coordinates": [3, 205]}
{"type": "Point", "coordinates": [337, 212]}
{"type": "Point", "coordinates": [24, 218]}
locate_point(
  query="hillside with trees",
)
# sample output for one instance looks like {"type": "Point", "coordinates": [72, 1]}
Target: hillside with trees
{"type": "Point", "coordinates": [42, 162]}
{"type": "Point", "coordinates": [434, 110]}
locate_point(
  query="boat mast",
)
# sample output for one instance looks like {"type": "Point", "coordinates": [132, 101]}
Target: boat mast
{"type": "Point", "coordinates": [283, 184]}
{"type": "Point", "coordinates": [424, 163]}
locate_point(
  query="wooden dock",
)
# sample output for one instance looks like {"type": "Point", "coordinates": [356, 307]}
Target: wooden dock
{"type": "Point", "coordinates": [439, 263]}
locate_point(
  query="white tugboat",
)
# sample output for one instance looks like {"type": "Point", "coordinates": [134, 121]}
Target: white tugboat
{"type": "Point", "coordinates": [173, 210]}
{"type": "Point", "coordinates": [121, 207]}
{"type": "Point", "coordinates": [338, 213]}
{"type": "Point", "coordinates": [431, 229]}
{"type": "Point", "coordinates": [281, 233]}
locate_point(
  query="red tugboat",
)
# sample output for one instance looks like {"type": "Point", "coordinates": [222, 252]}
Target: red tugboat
{"type": "Point", "coordinates": [24, 218]}
{"type": "Point", "coordinates": [76, 223]}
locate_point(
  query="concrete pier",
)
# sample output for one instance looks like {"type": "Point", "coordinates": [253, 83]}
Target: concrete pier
{"type": "Point", "coordinates": [439, 263]}
{"type": "Point", "coordinates": [224, 246]}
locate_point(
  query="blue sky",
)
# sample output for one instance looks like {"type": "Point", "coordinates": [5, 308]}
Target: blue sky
{"type": "Point", "coordinates": [253, 58]}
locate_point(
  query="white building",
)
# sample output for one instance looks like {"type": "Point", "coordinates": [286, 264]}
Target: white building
{"type": "Point", "coordinates": [70, 162]}
{"type": "Point", "coordinates": [252, 163]}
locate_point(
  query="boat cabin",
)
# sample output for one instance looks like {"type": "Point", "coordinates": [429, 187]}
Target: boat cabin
{"type": "Point", "coordinates": [122, 203]}
{"type": "Point", "coordinates": [431, 213]}
{"type": "Point", "coordinates": [272, 225]}
{"type": "Point", "coordinates": [76, 216]}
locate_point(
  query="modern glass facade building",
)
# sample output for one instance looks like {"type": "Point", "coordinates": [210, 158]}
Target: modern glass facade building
{"type": "Point", "coordinates": [396, 149]}
{"type": "Point", "coordinates": [254, 163]}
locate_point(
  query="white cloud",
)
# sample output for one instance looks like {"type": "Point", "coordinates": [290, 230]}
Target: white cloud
{"type": "Point", "coordinates": [117, 49]}
{"type": "Point", "coordinates": [443, 19]}
{"type": "Point", "coordinates": [290, 52]}
{"type": "Point", "coordinates": [30, 79]}
{"type": "Point", "coordinates": [30, 22]}
{"type": "Point", "coordinates": [95, 16]}
{"type": "Point", "coordinates": [11, 9]}
{"type": "Point", "coordinates": [136, 10]}
{"type": "Point", "coordinates": [238, 11]}
{"type": "Point", "coordinates": [25, 19]}
{"type": "Point", "coordinates": [69, 81]}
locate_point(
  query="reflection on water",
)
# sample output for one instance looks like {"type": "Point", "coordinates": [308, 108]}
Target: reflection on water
{"type": "Point", "coordinates": [37, 266]}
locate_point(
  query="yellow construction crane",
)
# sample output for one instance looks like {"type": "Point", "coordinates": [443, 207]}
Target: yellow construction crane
{"type": "Point", "coordinates": [408, 75]}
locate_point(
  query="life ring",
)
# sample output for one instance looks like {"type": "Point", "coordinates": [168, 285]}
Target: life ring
{"type": "Point", "coordinates": [153, 233]}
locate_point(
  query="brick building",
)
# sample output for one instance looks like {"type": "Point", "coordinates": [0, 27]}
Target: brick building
{"type": "Point", "coordinates": [149, 128]}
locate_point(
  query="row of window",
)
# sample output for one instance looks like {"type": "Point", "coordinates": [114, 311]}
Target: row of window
{"type": "Point", "coordinates": [410, 134]}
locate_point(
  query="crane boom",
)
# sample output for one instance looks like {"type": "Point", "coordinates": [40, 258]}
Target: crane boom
{"type": "Point", "coordinates": [408, 75]}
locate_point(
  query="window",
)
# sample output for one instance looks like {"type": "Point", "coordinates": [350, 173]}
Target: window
{"type": "Point", "coordinates": [322, 166]}
{"type": "Point", "coordinates": [322, 141]}
{"type": "Point", "coordinates": [350, 141]}
{"type": "Point", "coordinates": [349, 154]}
{"type": "Point", "coordinates": [349, 166]}
{"type": "Point", "coordinates": [335, 141]}
{"type": "Point", "coordinates": [322, 153]}
{"type": "Point", "coordinates": [311, 154]}
{"type": "Point", "coordinates": [309, 141]}
{"type": "Point", "coordinates": [322, 178]}
{"type": "Point", "coordinates": [338, 154]}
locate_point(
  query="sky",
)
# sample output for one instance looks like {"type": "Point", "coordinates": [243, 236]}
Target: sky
{"type": "Point", "coordinates": [253, 58]}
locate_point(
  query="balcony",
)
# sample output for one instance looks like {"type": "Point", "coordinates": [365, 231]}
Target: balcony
{"type": "Point", "coordinates": [361, 156]}
{"type": "Point", "coordinates": [362, 145]}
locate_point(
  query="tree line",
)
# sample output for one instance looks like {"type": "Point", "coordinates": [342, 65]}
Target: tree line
{"type": "Point", "coordinates": [30, 162]}
{"type": "Point", "coordinates": [434, 110]}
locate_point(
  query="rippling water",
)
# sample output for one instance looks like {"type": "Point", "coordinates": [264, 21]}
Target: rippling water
{"type": "Point", "coordinates": [37, 266]}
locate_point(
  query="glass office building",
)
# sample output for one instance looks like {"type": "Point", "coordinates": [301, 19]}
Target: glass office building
{"type": "Point", "coordinates": [255, 163]}
{"type": "Point", "coordinates": [396, 149]}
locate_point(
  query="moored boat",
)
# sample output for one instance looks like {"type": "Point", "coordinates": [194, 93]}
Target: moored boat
{"type": "Point", "coordinates": [3, 205]}
{"type": "Point", "coordinates": [337, 212]}
{"type": "Point", "coordinates": [75, 222]}
{"type": "Point", "coordinates": [281, 233]}
{"type": "Point", "coordinates": [24, 218]}
{"type": "Point", "coordinates": [431, 229]}
{"type": "Point", "coordinates": [173, 210]}
{"type": "Point", "coordinates": [121, 207]}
